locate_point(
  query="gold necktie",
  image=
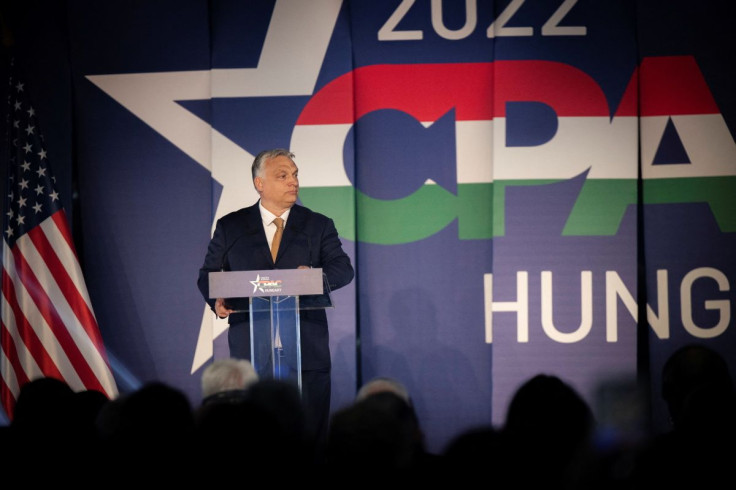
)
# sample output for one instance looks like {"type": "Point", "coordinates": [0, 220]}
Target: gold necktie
{"type": "Point", "coordinates": [279, 222]}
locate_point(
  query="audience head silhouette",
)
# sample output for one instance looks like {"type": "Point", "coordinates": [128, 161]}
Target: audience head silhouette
{"type": "Point", "coordinates": [698, 388]}
{"type": "Point", "coordinates": [378, 433]}
{"type": "Point", "coordinates": [265, 427]}
{"type": "Point", "coordinates": [698, 451]}
{"type": "Point", "coordinates": [154, 420]}
{"type": "Point", "coordinates": [550, 426]}
{"type": "Point", "coordinates": [44, 405]}
{"type": "Point", "coordinates": [474, 453]}
{"type": "Point", "coordinates": [369, 434]}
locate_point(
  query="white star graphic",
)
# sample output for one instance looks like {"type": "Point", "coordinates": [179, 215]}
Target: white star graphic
{"type": "Point", "coordinates": [255, 283]}
{"type": "Point", "coordinates": [37, 207]}
{"type": "Point", "coordinates": [155, 98]}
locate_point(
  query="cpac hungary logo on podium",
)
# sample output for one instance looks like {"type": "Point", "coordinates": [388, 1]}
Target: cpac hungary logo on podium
{"type": "Point", "coordinates": [273, 300]}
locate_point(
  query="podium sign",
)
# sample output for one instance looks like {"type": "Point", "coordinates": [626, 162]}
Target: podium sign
{"type": "Point", "coordinates": [275, 282]}
{"type": "Point", "coordinates": [273, 299]}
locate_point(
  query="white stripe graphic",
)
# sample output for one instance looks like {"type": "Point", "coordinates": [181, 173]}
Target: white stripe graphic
{"type": "Point", "coordinates": [706, 139]}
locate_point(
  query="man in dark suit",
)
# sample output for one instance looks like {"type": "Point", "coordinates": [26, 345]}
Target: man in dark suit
{"type": "Point", "coordinates": [242, 241]}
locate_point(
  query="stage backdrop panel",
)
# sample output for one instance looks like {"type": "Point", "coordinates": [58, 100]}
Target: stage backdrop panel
{"type": "Point", "coordinates": [523, 186]}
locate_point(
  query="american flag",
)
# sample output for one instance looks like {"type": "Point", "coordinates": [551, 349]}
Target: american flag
{"type": "Point", "coordinates": [48, 324]}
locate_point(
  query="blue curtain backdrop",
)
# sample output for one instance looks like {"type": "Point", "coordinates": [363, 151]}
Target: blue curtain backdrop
{"type": "Point", "coordinates": [523, 187]}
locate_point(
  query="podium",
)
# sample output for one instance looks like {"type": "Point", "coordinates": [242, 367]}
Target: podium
{"type": "Point", "coordinates": [273, 299]}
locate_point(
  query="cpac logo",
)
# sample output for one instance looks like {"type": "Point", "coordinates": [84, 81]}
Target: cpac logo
{"type": "Point", "coordinates": [509, 123]}
{"type": "Point", "coordinates": [266, 285]}
{"type": "Point", "coordinates": [515, 123]}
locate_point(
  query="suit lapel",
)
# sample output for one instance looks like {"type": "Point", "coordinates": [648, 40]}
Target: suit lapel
{"type": "Point", "coordinates": [294, 227]}
{"type": "Point", "coordinates": [254, 226]}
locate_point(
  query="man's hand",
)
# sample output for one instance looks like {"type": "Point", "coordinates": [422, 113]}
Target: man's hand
{"type": "Point", "coordinates": [222, 310]}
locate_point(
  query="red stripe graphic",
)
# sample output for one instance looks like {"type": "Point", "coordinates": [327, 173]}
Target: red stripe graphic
{"type": "Point", "coordinates": [479, 91]}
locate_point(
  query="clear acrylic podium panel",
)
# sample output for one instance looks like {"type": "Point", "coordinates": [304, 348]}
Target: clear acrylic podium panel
{"type": "Point", "coordinates": [275, 335]}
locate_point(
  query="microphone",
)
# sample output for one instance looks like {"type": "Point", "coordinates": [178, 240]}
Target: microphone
{"type": "Point", "coordinates": [231, 303]}
{"type": "Point", "coordinates": [309, 250]}
{"type": "Point", "coordinates": [314, 299]}
{"type": "Point", "coordinates": [309, 246]}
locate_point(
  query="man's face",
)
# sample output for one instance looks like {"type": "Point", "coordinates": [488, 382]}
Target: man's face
{"type": "Point", "coordinates": [278, 185]}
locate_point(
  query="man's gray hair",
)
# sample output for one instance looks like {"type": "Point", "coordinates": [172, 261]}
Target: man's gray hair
{"type": "Point", "coordinates": [257, 168]}
{"type": "Point", "coordinates": [383, 384]}
{"type": "Point", "coordinates": [227, 374]}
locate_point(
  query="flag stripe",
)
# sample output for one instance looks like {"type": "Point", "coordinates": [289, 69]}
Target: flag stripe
{"type": "Point", "coordinates": [26, 332]}
{"type": "Point", "coordinates": [59, 237]}
{"type": "Point", "coordinates": [35, 306]}
{"type": "Point", "coordinates": [69, 275]}
{"type": "Point", "coordinates": [45, 292]}
{"type": "Point", "coordinates": [60, 219]}
{"type": "Point", "coordinates": [10, 341]}
{"type": "Point", "coordinates": [9, 387]}
{"type": "Point", "coordinates": [69, 303]}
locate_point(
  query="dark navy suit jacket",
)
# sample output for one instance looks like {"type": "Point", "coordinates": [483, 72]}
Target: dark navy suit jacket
{"type": "Point", "coordinates": [239, 243]}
